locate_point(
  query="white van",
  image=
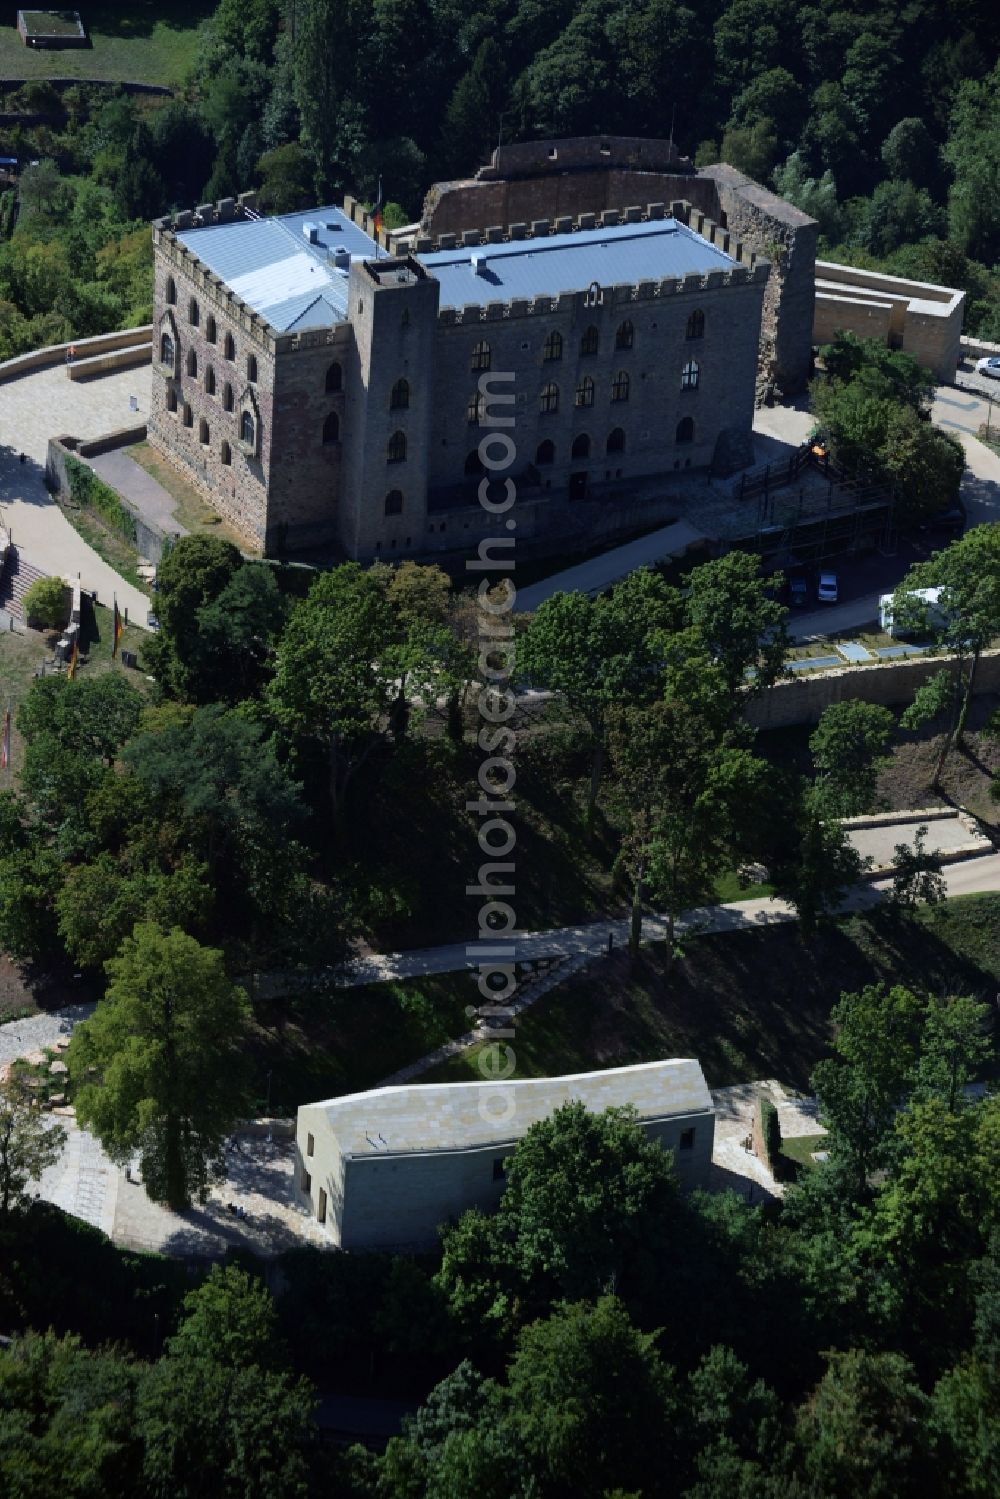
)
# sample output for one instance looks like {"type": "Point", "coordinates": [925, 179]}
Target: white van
{"type": "Point", "coordinates": [932, 613]}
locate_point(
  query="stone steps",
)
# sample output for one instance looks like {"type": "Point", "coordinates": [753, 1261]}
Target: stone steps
{"type": "Point", "coordinates": [16, 579]}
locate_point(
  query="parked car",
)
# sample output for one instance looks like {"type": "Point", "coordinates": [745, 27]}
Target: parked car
{"type": "Point", "coordinates": [152, 623]}
{"type": "Point", "coordinates": [798, 592]}
{"type": "Point", "coordinates": [989, 367]}
{"type": "Point", "coordinates": [827, 589]}
{"type": "Point", "coordinates": [953, 519]}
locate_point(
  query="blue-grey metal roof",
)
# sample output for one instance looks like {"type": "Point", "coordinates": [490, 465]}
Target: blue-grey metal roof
{"type": "Point", "coordinates": [619, 256]}
{"type": "Point", "coordinates": [275, 268]}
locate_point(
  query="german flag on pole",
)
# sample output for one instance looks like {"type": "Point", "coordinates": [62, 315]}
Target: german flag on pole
{"type": "Point", "coordinates": [377, 209]}
{"type": "Point", "coordinates": [74, 658]}
{"type": "Point", "coordinates": [118, 630]}
{"type": "Point", "coordinates": [5, 741]}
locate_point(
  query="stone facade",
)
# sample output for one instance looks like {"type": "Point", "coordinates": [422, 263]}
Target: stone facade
{"type": "Point", "coordinates": [524, 182]}
{"type": "Point", "coordinates": [361, 438]}
{"type": "Point", "coordinates": [916, 316]}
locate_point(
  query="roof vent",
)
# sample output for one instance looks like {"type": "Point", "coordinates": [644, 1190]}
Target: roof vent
{"type": "Point", "coordinates": [479, 265]}
{"type": "Point", "coordinates": [311, 232]}
{"type": "Point", "coordinates": [341, 258]}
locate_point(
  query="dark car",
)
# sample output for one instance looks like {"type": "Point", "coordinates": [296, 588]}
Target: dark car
{"type": "Point", "coordinates": [798, 592]}
{"type": "Point", "coordinates": [953, 519]}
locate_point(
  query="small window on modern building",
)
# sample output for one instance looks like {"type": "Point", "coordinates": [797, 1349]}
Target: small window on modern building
{"type": "Point", "coordinates": [226, 454]}
{"type": "Point", "coordinates": [252, 368]}
{"type": "Point", "coordinates": [192, 362]}
{"type": "Point", "coordinates": [546, 452]}
{"type": "Point", "coordinates": [499, 1168]}
{"type": "Point", "coordinates": [549, 399]}
{"type": "Point", "coordinates": [585, 392]}
{"type": "Point", "coordinates": [690, 375]}
{"type": "Point", "coordinates": [616, 440]}
{"type": "Point", "coordinates": [171, 291]}
{"type": "Point", "coordinates": [187, 415]}
{"type": "Point", "coordinates": [482, 355]}
{"type": "Point", "coordinates": [475, 409]}
{"type": "Point", "coordinates": [399, 397]}
{"type": "Point", "coordinates": [321, 1206]}
{"type": "Point", "coordinates": [625, 337]}
{"type": "Point", "coordinates": [591, 341]}
{"type": "Point", "coordinates": [394, 502]}
{"type": "Point", "coordinates": [209, 380]}
{"type": "Point", "coordinates": [581, 446]}
{"type": "Point", "coordinates": [331, 428]}
{"type": "Point", "coordinates": [685, 430]}
{"type": "Point", "coordinates": [306, 1181]}
{"type": "Point", "coordinates": [248, 429]}
{"type": "Point", "coordinates": [696, 324]}
{"type": "Point", "coordinates": [553, 348]}
{"type": "Point", "coordinates": [211, 332]}
{"type": "Point", "coordinates": [395, 451]}
{"type": "Point", "coordinates": [473, 463]}
{"type": "Point", "coordinates": [310, 1144]}
{"type": "Point", "coordinates": [166, 350]}
{"type": "Point", "coordinates": [620, 386]}
{"type": "Point", "coordinates": [203, 432]}
{"type": "Point", "coordinates": [229, 347]}
{"type": "Point", "coordinates": [334, 377]}
{"type": "Point", "coordinates": [687, 1139]}
{"type": "Point", "coordinates": [228, 399]}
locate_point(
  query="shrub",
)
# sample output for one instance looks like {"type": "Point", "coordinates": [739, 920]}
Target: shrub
{"type": "Point", "coordinates": [46, 603]}
{"type": "Point", "coordinates": [91, 493]}
{"type": "Point", "coordinates": [770, 1133]}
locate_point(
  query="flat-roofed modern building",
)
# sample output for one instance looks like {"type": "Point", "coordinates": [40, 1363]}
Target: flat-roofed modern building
{"type": "Point", "coordinates": [323, 393]}
{"type": "Point", "coordinates": [385, 1169]}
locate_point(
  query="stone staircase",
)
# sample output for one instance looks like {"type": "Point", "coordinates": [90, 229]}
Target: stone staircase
{"type": "Point", "coordinates": [15, 580]}
{"type": "Point", "coordinates": [543, 976]}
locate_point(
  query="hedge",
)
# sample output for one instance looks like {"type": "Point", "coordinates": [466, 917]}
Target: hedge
{"type": "Point", "coordinates": [91, 493]}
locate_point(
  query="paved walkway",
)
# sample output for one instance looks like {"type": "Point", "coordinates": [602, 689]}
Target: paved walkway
{"type": "Point", "coordinates": [600, 572]}
{"type": "Point", "coordinates": [153, 502]}
{"type": "Point", "coordinates": [945, 835]}
{"type": "Point", "coordinates": [47, 404]}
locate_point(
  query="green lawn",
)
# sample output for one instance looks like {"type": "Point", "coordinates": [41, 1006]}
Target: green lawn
{"type": "Point", "coordinates": [142, 41]}
{"type": "Point", "coordinates": [193, 512]}
{"type": "Point", "coordinates": [749, 1004]}
{"type": "Point", "coordinates": [799, 1150]}
{"type": "Point", "coordinates": [109, 545]}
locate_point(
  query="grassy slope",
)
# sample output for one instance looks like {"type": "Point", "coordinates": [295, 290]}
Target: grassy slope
{"type": "Point", "coordinates": [144, 41]}
{"type": "Point", "coordinates": [751, 1004]}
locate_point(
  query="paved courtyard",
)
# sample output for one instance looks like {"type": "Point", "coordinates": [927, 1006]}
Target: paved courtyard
{"type": "Point", "coordinates": [44, 404]}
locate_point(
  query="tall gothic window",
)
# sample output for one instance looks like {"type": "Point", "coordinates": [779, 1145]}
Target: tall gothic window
{"type": "Point", "coordinates": [395, 450]}
{"type": "Point", "coordinates": [620, 386]}
{"type": "Point", "coordinates": [482, 356]}
{"type": "Point", "coordinates": [585, 392]}
{"type": "Point", "coordinates": [625, 337]}
{"type": "Point", "coordinates": [334, 377]}
{"type": "Point", "coordinates": [591, 341]}
{"type": "Point", "coordinates": [690, 375]}
{"type": "Point", "coordinates": [549, 399]}
{"type": "Point", "coordinates": [553, 347]}
{"type": "Point", "coordinates": [399, 397]}
{"type": "Point", "coordinates": [696, 324]}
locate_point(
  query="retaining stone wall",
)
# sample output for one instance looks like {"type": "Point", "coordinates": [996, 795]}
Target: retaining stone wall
{"type": "Point", "coordinates": [890, 683]}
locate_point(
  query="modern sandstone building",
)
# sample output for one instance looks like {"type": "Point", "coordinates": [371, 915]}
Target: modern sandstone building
{"type": "Point", "coordinates": [325, 389]}
{"type": "Point", "coordinates": [385, 1169]}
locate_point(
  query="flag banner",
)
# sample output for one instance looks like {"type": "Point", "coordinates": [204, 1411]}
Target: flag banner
{"type": "Point", "coordinates": [5, 741]}
{"type": "Point", "coordinates": [74, 658]}
{"type": "Point", "coordinates": [118, 631]}
{"type": "Point", "coordinates": [377, 209]}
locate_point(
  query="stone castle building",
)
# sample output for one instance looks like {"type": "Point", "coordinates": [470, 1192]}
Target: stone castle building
{"type": "Point", "coordinates": [323, 383]}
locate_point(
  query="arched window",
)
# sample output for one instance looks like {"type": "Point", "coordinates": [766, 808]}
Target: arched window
{"type": "Point", "coordinates": [229, 347]}
{"type": "Point", "coordinates": [203, 432]}
{"type": "Point", "coordinates": [685, 430]}
{"type": "Point", "coordinates": [171, 398]}
{"type": "Point", "coordinates": [581, 446]}
{"type": "Point", "coordinates": [591, 341]}
{"type": "Point", "coordinates": [209, 380]}
{"type": "Point", "coordinates": [252, 368]}
{"type": "Point", "coordinates": [625, 337]}
{"type": "Point", "coordinates": [227, 454]}
{"type": "Point", "coordinates": [549, 400]}
{"type": "Point", "coordinates": [187, 417]}
{"type": "Point", "coordinates": [689, 376]}
{"type": "Point", "coordinates": [482, 355]}
{"type": "Point", "coordinates": [696, 324]}
{"type": "Point", "coordinates": [399, 397]}
{"type": "Point", "coordinates": [395, 450]}
{"type": "Point", "coordinates": [166, 349]}
{"type": "Point", "coordinates": [331, 428]}
{"type": "Point", "coordinates": [193, 313]}
{"type": "Point", "coordinates": [546, 452]}
{"type": "Point", "coordinates": [620, 386]}
{"type": "Point", "coordinates": [475, 409]}
{"type": "Point", "coordinates": [553, 348]}
{"type": "Point", "coordinates": [394, 502]}
{"type": "Point", "coordinates": [248, 429]}
{"type": "Point", "coordinates": [585, 392]}
{"type": "Point", "coordinates": [228, 399]}
{"type": "Point", "coordinates": [171, 291]}
{"type": "Point", "coordinates": [192, 362]}
{"type": "Point", "coordinates": [210, 329]}
{"type": "Point", "coordinates": [334, 377]}
{"type": "Point", "coordinates": [473, 463]}
{"type": "Point", "coordinates": [616, 440]}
